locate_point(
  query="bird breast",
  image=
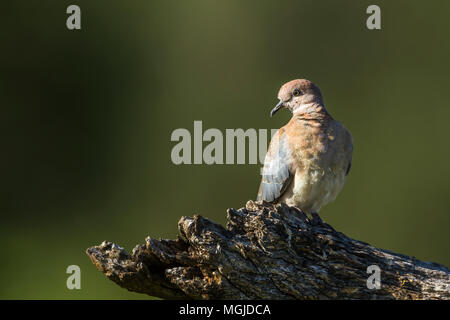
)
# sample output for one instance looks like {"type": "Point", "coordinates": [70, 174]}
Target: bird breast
{"type": "Point", "coordinates": [318, 165]}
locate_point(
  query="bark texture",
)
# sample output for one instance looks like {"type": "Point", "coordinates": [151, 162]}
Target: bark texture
{"type": "Point", "coordinates": [266, 252]}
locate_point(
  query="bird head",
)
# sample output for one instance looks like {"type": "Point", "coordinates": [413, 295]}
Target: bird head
{"type": "Point", "coordinates": [299, 96]}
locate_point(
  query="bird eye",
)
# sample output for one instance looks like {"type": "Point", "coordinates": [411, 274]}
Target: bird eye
{"type": "Point", "coordinates": [297, 93]}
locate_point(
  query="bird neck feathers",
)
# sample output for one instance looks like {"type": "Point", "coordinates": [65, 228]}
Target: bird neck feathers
{"type": "Point", "coordinates": [311, 111]}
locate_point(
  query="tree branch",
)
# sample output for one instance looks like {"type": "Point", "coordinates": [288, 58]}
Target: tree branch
{"type": "Point", "coordinates": [266, 252]}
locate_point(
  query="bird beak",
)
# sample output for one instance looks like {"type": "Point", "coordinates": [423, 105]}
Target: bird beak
{"type": "Point", "coordinates": [277, 107]}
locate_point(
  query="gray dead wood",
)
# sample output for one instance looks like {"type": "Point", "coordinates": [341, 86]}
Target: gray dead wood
{"type": "Point", "coordinates": [266, 252]}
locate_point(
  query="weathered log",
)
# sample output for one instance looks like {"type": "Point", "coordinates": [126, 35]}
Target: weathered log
{"type": "Point", "coordinates": [266, 252]}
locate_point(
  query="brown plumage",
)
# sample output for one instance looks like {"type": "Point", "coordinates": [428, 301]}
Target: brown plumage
{"type": "Point", "coordinates": [309, 158]}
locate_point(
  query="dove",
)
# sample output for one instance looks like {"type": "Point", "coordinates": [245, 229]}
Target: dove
{"type": "Point", "coordinates": [309, 158]}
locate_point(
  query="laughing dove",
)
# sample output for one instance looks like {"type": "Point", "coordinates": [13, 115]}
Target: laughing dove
{"type": "Point", "coordinates": [309, 158]}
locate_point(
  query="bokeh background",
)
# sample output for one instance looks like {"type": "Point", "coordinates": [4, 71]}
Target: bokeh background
{"type": "Point", "coordinates": [87, 117]}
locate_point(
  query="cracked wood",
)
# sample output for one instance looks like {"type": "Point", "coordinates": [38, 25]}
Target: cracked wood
{"type": "Point", "coordinates": [266, 252]}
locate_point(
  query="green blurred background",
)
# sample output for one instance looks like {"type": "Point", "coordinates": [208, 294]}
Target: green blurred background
{"type": "Point", "coordinates": [87, 117]}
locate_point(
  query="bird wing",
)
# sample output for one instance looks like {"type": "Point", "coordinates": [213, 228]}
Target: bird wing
{"type": "Point", "coordinates": [276, 173]}
{"type": "Point", "coordinates": [349, 151]}
{"type": "Point", "coordinates": [348, 168]}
